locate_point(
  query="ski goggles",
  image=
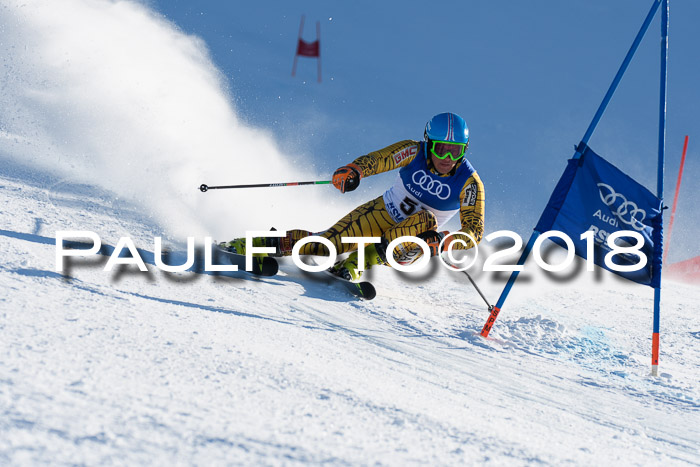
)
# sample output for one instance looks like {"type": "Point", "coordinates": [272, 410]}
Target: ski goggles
{"type": "Point", "coordinates": [442, 149]}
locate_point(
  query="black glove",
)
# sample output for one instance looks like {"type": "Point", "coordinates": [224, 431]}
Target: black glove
{"type": "Point", "coordinates": [347, 178]}
{"type": "Point", "coordinates": [433, 239]}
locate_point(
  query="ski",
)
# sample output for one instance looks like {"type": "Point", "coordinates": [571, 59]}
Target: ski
{"type": "Point", "coordinates": [262, 265]}
{"type": "Point", "coordinates": [268, 266]}
{"type": "Point", "coordinates": [364, 290]}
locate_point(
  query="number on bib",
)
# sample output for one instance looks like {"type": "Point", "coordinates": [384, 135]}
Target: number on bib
{"type": "Point", "coordinates": [408, 206]}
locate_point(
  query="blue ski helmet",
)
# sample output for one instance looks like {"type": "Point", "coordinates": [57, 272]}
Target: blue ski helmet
{"type": "Point", "coordinates": [447, 127]}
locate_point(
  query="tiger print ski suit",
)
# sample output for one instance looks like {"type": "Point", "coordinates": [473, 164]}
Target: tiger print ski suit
{"type": "Point", "coordinates": [420, 200]}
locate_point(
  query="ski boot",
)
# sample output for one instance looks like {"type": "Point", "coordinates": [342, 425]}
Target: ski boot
{"type": "Point", "coordinates": [263, 264]}
{"type": "Point", "coordinates": [282, 245]}
{"type": "Point", "coordinates": [238, 246]}
{"type": "Point", "coordinates": [348, 267]}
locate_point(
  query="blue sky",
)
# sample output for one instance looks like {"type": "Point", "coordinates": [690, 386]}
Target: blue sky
{"type": "Point", "coordinates": [527, 77]}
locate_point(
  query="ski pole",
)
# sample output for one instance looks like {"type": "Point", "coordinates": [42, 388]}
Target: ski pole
{"type": "Point", "coordinates": [478, 290]}
{"type": "Point", "coordinates": [473, 283]}
{"type": "Point", "coordinates": [203, 188]}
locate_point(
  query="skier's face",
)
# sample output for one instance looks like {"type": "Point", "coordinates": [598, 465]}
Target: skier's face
{"type": "Point", "coordinates": [443, 165]}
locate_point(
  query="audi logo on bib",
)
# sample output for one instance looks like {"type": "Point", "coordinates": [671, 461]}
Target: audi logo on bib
{"type": "Point", "coordinates": [432, 186]}
{"type": "Point", "coordinates": [628, 211]}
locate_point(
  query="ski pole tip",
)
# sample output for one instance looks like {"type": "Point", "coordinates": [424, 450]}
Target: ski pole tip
{"type": "Point", "coordinates": [203, 188]}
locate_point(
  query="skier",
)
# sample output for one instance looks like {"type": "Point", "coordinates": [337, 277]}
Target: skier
{"type": "Point", "coordinates": [435, 181]}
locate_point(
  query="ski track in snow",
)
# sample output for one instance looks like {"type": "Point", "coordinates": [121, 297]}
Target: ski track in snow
{"type": "Point", "coordinates": [131, 367]}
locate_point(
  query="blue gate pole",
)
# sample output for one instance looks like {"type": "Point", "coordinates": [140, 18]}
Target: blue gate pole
{"type": "Point", "coordinates": [660, 182]}
{"type": "Point", "coordinates": [495, 310]}
{"type": "Point", "coordinates": [509, 285]}
{"type": "Point", "coordinates": [618, 77]}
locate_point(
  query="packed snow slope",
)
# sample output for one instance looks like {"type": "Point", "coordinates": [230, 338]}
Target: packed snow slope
{"type": "Point", "coordinates": [110, 118]}
{"type": "Point", "coordinates": [127, 367]}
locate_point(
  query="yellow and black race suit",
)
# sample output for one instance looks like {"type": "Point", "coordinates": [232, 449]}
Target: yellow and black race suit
{"type": "Point", "coordinates": [421, 200]}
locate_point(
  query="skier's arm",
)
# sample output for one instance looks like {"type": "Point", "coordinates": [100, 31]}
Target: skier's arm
{"type": "Point", "coordinates": [390, 158]}
{"type": "Point", "coordinates": [471, 212]}
{"type": "Point", "coordinates": [348, 177]}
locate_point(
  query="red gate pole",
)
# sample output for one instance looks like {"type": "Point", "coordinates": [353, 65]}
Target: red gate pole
{"type": "Point", "coordinates": [296, 54]}
{"type": "Point", "coordinates": [318, 41]}
{"type": "Point", "coordinates": [675, 198]}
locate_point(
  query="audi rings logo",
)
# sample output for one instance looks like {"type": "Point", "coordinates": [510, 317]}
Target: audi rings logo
{"type": "Point", "coordinates": [432, 186]}
{"type": "Point", "coordinates": [626, 211]}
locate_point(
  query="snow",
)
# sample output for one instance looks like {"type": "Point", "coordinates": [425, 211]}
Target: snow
{"type": "Point", "coordinates": [127, 367]}
{"type": "Point", "coordinates": [131, 367]}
